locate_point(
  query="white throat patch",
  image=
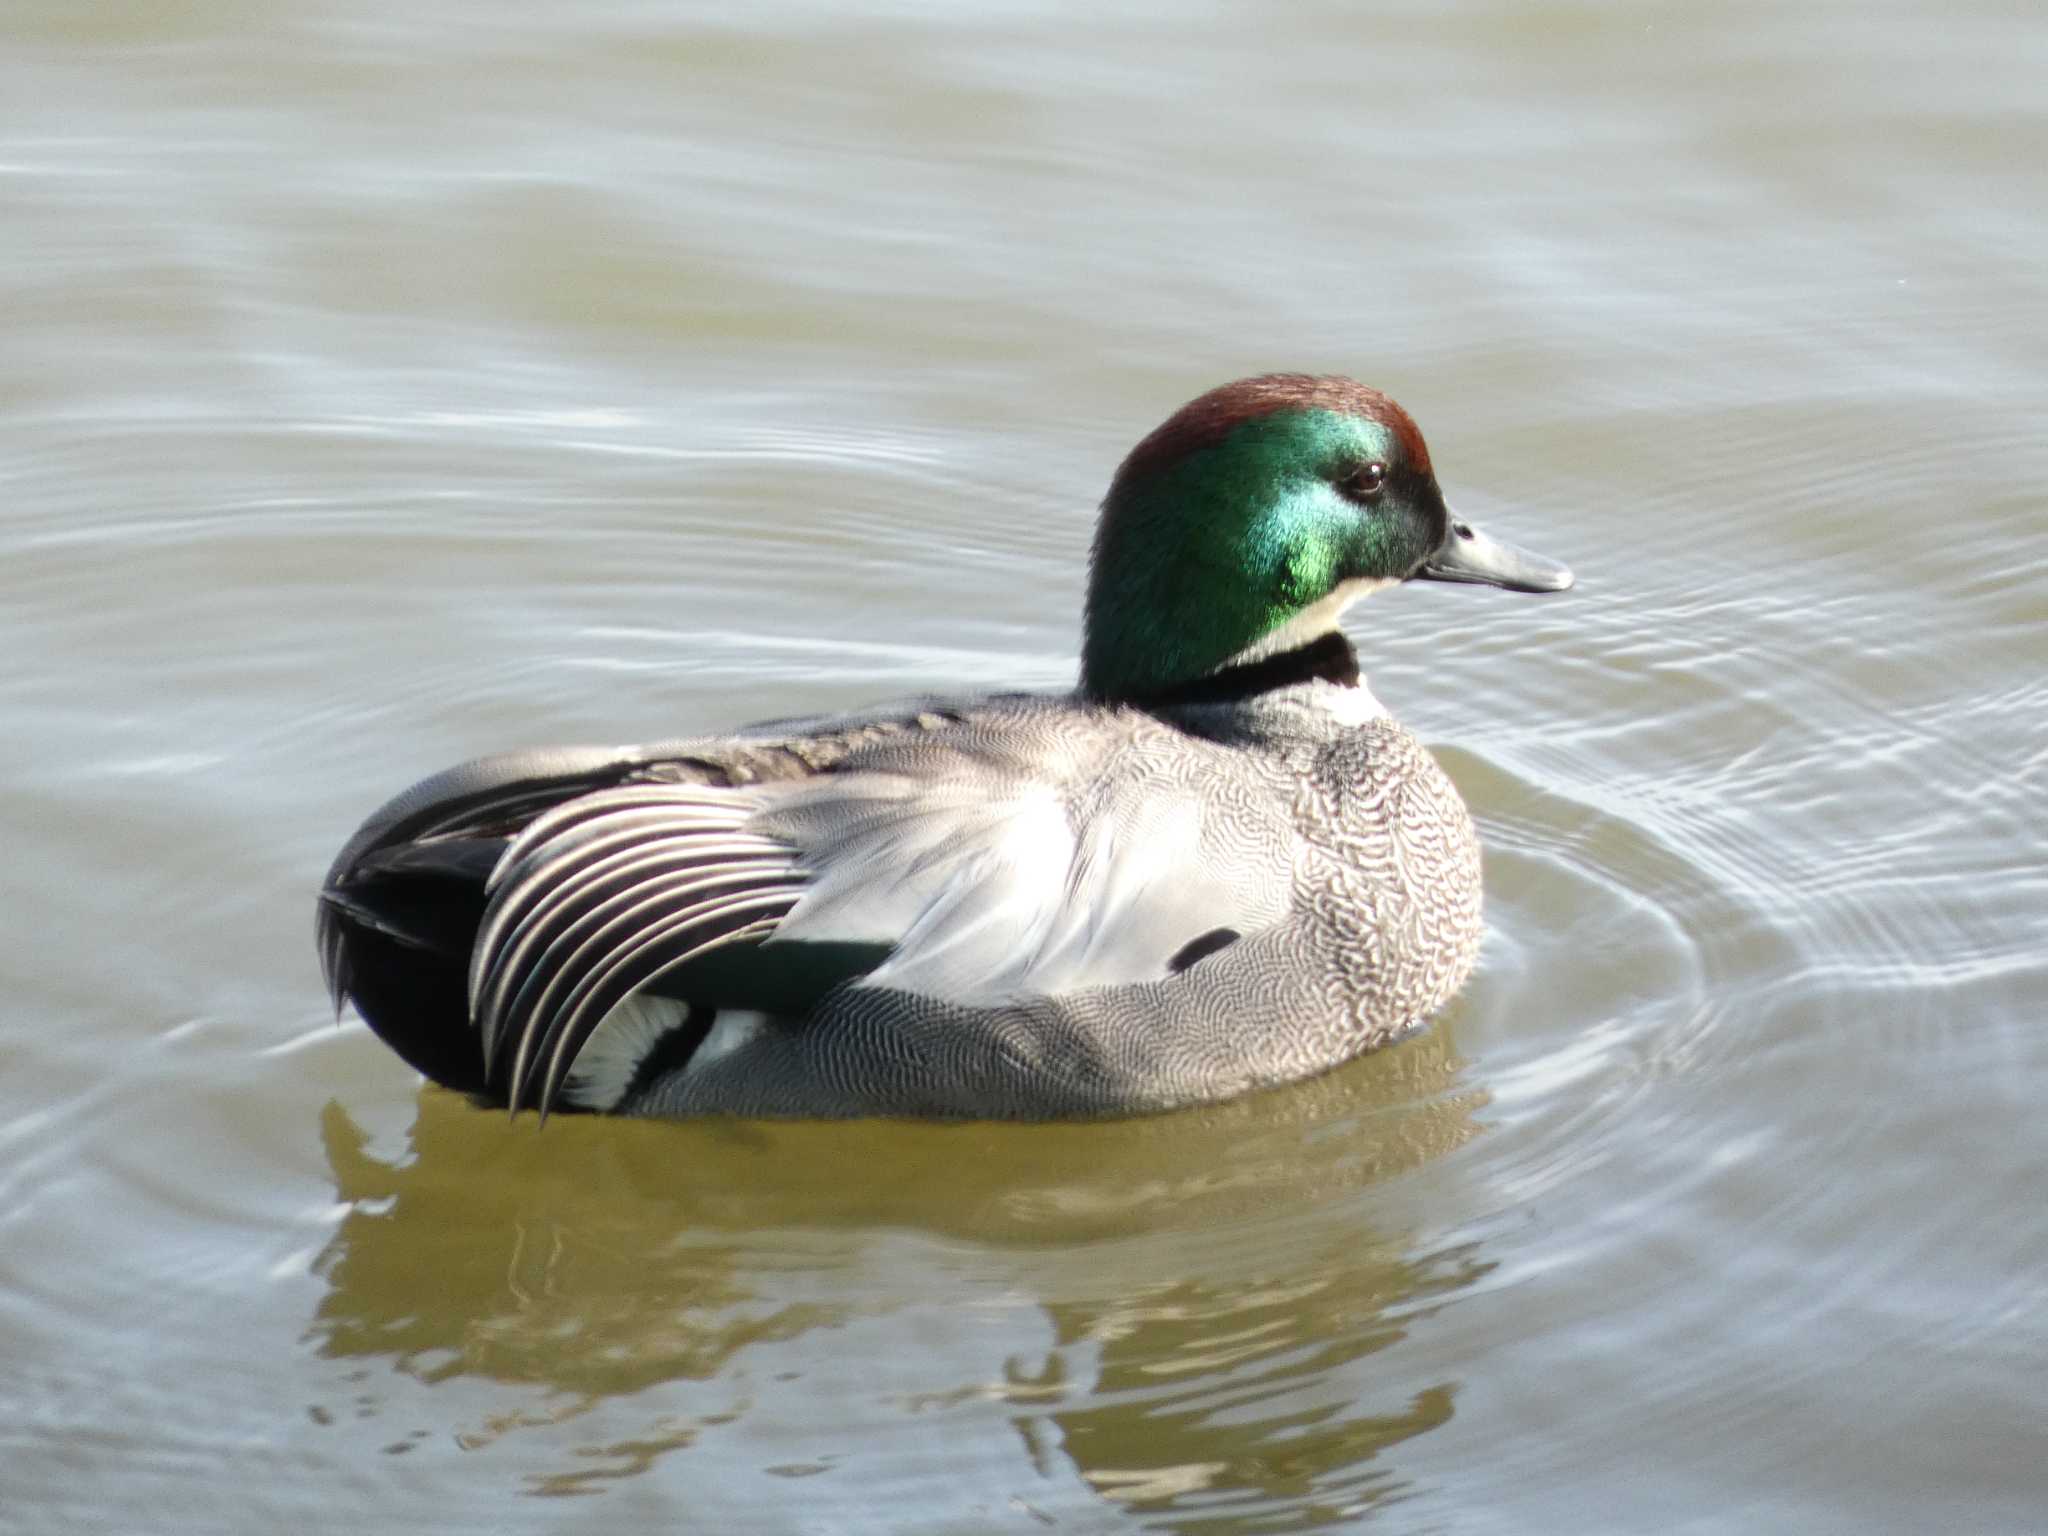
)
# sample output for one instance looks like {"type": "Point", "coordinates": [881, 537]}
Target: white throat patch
{"type": "Point", "coordinates": [1312, 623]}
{"type": "Point", "coordinates": [1350, 706]}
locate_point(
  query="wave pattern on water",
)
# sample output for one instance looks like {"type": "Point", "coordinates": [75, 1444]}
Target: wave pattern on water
{"type": "Point", "coordinates": [385, 390]}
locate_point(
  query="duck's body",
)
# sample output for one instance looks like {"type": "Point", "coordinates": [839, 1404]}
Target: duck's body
{"type": "Point", "coordinates": [1215, 865]}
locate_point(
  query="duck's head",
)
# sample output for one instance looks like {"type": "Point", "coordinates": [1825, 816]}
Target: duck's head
{"type": "Point", "coordinates": [1247, 521]}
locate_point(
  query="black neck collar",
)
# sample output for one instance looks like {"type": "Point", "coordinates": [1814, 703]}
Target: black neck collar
{"type": "Point", "coordinates": [1328, 658]}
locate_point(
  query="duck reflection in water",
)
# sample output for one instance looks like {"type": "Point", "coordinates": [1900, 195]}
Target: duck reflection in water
{"type": "Point", "coordinates": [1170, 1312]}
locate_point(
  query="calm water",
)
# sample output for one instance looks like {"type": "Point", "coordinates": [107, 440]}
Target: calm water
{"type": "Point", "coordinates": [386, 383]}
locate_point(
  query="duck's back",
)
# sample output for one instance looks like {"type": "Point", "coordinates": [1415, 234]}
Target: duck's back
{"type": "Point", "coordinates": [1249, 894]}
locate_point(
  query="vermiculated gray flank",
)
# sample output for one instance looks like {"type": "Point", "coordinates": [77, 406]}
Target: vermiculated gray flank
{"type": "Point", "coordinates": [1216, 864]}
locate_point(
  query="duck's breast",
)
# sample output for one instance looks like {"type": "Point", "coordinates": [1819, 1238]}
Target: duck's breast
{"type": "Point", "coordinates": [1389, 875]}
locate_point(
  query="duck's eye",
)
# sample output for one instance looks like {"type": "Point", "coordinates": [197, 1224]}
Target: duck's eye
{"type": "Point", "coordinates": [1367, 481]}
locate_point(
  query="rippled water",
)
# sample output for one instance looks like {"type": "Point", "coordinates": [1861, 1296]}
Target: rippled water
{"type": "Point", "coordinates": [387, 384]}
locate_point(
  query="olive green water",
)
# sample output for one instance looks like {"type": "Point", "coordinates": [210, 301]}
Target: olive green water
{"type": "Point", "coordinates": [387, 383]}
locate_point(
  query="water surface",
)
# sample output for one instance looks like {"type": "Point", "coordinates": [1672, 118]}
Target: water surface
{"type": "Point", "coordinates": [387, 384]}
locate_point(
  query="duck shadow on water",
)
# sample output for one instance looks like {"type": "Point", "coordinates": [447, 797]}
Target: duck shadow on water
{"type": "Point", "coordinates": [1164, 1313]}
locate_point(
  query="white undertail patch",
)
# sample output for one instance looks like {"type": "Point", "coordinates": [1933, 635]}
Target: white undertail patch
{"type": "Point", "coordinates": [733, 1028]}
{"type": "Point", "coordinates": [604, 1069]}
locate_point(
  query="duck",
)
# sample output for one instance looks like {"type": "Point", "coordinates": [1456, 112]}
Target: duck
{"type": "Point", "coordinates": [1214, 865]}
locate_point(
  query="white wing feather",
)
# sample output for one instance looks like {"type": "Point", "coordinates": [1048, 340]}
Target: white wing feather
{"type": "Point", "coordinates": [992, 892]}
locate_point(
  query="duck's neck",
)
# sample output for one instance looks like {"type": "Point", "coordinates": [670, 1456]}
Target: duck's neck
{"type": "Point", "coordinates": [1327, 658]}
{"type": "Point", "coordinates": [1205, 561]}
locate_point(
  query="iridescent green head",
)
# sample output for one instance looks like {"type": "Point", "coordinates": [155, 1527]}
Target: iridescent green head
{"type": "Point", "coordinates": [1244, 524]}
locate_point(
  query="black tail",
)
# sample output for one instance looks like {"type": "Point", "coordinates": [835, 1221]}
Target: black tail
{"type": "Point", "coordinates": [400, 907]}
{"type": "Point", "coordinates": [401, 941]}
